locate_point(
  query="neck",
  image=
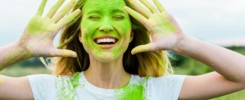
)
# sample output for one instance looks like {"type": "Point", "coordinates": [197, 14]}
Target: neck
{"type": "Point", "coordinates": [108, 75]}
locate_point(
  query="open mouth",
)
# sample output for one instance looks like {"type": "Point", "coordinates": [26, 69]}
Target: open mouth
{"type": "Point", "coordinates": [106, 41]}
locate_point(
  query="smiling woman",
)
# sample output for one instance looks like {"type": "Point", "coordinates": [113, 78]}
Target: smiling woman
{"type": "Point", "coordinates": [114, 50]}
{"type": "Point", "coordinates": [98, 25]}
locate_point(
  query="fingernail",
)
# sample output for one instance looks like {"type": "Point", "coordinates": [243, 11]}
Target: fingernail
{"type": "Point", "coordinates": [132, 52]}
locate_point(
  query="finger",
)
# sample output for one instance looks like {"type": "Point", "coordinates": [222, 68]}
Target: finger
{"type": "Point", "coordinates": [67, 41]}
{"type": "Point", "coordinates": [63, 53]}
{"type": "Point", "coordinates": [41, 8]}
{"type": "Point", "coordinates": [136, 15]}
{"type": "Point", "coordinates": [159, 6]}
{"type": "Point", "coordinates": [69, 18]}
{"type": "Point", "coordinates": [141, 48]}
{"type": "Point", "coordinates": [140, 8]}
{"type": "Point", "coordinates": [54, 9]}
{"type": "Point", "coordinates": [149, 6]}
{"type": "Point", "coordinates": [64, 11]}
{"type": "Point", "coordinates": [175, 24]}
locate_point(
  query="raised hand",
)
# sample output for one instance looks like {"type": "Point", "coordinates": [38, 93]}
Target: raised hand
{"type": "Point", "coordinates": [162, 27]}
{"type": "Point", "coordinates": [41, 30]}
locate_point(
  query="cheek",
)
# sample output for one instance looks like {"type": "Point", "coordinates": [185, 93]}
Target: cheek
{"type": "Point", "coordinates": [87, 30]}
{"type": "Point", "coordinates": [126, 32]}
{"type": "Point", "coordinates": [84, 38]}
{"type": "Point", "coordinates": [124, 28]}
{"type": "Point", "coordinates": [88, 26]}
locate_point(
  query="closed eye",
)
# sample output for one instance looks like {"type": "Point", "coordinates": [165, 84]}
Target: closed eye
{"type": "Point", "coordinates": [94, 17]}
{"type": "Point", "coordinates": [118, 17]}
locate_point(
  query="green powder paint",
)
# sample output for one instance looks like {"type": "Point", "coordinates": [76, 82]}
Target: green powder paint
{"type": "Point", "coordinates": [66, 86]}
{"type": "Point", "coordinates": [75, 80]}
{"type": "Point", "coordinates": [101, 15]}
{"type": "Point", "coordinates": [133, 91]}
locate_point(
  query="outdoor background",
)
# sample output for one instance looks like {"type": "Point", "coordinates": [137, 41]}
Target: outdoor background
{"type": "Point", "coordinates": [221, 22]}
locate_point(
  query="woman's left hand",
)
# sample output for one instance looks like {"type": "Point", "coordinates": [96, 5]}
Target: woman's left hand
{"type": "Point", "coordinates": [164, 31]}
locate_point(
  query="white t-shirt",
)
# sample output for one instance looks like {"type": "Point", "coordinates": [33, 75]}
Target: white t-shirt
{"type": "Point", "coordinates": [48, 87]}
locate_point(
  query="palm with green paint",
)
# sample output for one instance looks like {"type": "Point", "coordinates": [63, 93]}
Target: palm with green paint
{"type": "Point", "coordinates": [163, 29]}
{"type": "Point", "coordinates": [41, 30]}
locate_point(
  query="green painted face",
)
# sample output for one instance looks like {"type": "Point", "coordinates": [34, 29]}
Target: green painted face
{"type": "Point", "coordinates": [105, 29]}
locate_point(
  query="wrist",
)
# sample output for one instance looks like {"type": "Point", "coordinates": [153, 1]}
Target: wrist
{"type": "Point", "coordinates": [183, 43]}
{"type": "Point", "coordinates": [20, 47]}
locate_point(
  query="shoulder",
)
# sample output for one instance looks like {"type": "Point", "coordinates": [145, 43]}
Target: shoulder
{"type": "Point", "coordinates": [167, 83]}
{"type": "Point", "coordinates": [42, 86]}
{"type": "Point", "coordinates": [177, 79]}
{"type": "Point", "coordinates": [168, 79]}
{"type": "Point", "coordinates": [167, 86]}
{"type": "Point", "coordinates": [50, 87]}
{"type": "Point", "coordinates": [41, 77]}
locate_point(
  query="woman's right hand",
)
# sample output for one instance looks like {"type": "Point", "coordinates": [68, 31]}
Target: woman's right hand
{"type": "Point", "coordinates": [41, 30]}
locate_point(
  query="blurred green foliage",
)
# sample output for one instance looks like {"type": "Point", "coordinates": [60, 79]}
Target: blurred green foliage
{"type": "Point", "coordinates": [187, 66]}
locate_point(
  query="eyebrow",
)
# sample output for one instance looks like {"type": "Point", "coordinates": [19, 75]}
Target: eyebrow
{"type": "Point", "coordinates": [94, 11]}
{"type": "Point", "coordinates": [113, 11]}
{"type": "Point", "coordinates": [118, 10]}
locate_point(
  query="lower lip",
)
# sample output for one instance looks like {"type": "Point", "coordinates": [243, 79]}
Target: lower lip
{"type": "Point", "coordinates": [107, 46]}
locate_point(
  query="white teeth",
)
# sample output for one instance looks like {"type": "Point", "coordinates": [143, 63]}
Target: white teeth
{"type": "Point", "coordinates": [106, 40]}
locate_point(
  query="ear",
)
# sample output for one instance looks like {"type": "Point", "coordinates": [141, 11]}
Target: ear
{"type": "Point", "coordinates": [131, 37]}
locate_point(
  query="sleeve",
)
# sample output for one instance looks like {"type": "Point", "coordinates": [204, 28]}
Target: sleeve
{"type": "Point", "coordinates": [43, 86]}
{"type": "Point", "coordinates": [166, 87]}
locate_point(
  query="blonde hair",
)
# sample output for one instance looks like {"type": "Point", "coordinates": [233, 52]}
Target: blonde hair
{"type": "Point", "coordinates": [154, 63]}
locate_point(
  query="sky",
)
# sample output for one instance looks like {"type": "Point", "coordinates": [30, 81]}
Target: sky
{"type": "Point", "coordinates": [209, 20]}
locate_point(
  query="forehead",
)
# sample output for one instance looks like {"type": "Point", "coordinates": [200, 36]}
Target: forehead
{"type": "Point", "coordinates": [103, 5]}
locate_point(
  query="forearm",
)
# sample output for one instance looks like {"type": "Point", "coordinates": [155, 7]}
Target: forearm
{"type": "Point", "coordinates": [226, 62]}
{"type": "Point", "coordinates": [11, 54]}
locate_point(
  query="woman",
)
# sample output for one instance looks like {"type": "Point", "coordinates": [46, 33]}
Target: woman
{"type": "Point", "coordinates": [95, 61]}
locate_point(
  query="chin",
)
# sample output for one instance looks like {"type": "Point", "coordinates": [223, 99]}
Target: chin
{"type": "Point", "coordinates": [106, 57]}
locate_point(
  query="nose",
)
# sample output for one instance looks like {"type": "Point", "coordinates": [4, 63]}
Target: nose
{"type": "Point", "coordinates": [106, 26]}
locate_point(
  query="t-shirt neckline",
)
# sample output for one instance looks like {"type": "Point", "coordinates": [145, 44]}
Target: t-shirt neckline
{"type": "Point", "coordinates": [101, 91]}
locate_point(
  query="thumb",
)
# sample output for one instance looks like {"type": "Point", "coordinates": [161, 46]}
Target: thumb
{"type": "Point", "coordinates": [63, 53]}
{"type": "Point", "coordinates": [141, 48]}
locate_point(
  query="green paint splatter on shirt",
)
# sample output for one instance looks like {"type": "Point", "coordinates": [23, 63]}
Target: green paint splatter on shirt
{"type": "Point", "coordinates": [134, 91]}
{"type": "Point", "coordinates": [75, 80]}
{"type": "Point", "coordinates": [66, 86]}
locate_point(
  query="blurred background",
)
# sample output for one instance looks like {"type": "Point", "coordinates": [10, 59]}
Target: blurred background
{"type": "Point", "coordinates": [221, 22]}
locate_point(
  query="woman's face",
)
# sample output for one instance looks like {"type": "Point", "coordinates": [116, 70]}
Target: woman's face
{"type": "Point", "coordinates": [105, 29]}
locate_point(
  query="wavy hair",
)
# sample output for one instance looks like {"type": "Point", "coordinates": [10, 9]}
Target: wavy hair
{"type": "Point", "coordinates": [153, 63]}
